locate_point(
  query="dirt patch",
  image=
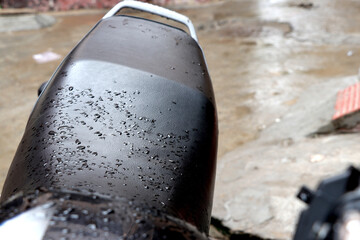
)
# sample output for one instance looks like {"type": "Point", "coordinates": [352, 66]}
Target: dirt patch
{"type": "Point", "coordinates": [234, 28]}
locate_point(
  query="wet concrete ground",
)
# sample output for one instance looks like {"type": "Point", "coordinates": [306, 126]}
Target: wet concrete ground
{"type": "Point", "coordinates": [269, 62]}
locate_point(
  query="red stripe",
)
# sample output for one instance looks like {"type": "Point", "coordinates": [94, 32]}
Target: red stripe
{"type": "Point", "coordinates": [347, 101]}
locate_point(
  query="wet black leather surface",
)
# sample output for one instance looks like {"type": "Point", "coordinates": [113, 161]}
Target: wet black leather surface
{"type": "Point", "coordinates": [126, 115]}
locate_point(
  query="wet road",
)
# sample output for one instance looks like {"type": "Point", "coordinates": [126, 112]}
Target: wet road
{"type": "Point", "coordinates": [20, 75]}
{"type": "Point", "coordinates": [262, 56]}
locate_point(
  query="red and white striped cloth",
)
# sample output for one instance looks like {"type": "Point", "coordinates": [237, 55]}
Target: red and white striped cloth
{"type": "Point", "coordinates": [347, 101]}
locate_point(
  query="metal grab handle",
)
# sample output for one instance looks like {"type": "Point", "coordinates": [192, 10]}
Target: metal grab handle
{"type": "Point", "coordinates": [163, 12]}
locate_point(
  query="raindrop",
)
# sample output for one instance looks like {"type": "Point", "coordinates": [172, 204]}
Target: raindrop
{"type": "Point", "coordinates": [107, 211]}
{"type": "Point", "coordinates": [67, 211]}
{"type": "Point", "coordinates": [92, 226]}
{"type": "Point", "coordinates": [74, 216]}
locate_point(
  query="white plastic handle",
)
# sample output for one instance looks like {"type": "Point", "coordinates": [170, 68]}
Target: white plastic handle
{"type": "Point", "coordinates": [163, 12]}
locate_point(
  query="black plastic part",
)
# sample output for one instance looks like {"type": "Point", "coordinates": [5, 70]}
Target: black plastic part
{"type": "Point", "coordinates": [129, 113]}
{"type": "Point", "coordinates": [316, 222]}
{"type": "Point", "coordinates": [41, 88]}
{"type": "Point", "coordinates": [305, 195]}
